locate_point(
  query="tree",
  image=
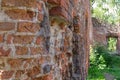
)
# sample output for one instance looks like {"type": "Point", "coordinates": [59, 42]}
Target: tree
{"type": "Point", "coordinates": [106, 10]}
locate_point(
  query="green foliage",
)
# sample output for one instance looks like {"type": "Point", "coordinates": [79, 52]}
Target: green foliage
{"type": "Point", "coordinates": [106, 10]}
{"type": "Point", "coordinates": [100, 56]}
{"type": "Point", "coordinates": [112, 44]}
{"type": "Point", "coordinates": [102, 62]}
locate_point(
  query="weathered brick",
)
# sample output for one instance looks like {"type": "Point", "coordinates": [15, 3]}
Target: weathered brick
{"type": "Point", "coordinates": [6, 75]}
{"type": "Point", "coordinates": [59, 12]}
{"type": "Point", "coordinates": [23, 39]}
{"type": "Point", "coordinates": [36, 50]}
{"type": "Point", "coordinates": [15, 63]}
{"type": "Point", "coordinates": [1, 38]}
{"type": "Point", "coordinates": [21, 50]}
{"type": "Point", "coordinates": [39, 40]}
{"type": "Point", "coordinates": [19, 73]}
{"type": "Point", "coordinates": [40, 60]}
{"type": "Point", "coordinates": [20, 14]}
{"type": "Point", "coordinates": [19, 3]}
{"type": "Point", "coordinates": [27, 62]}
{"type": "Point", "coordinates": [2, 63]}
{"type": "Point", "coordinates": [75, 2]}
{"type": "Point", "coordinates": [7, 26]}
{"type": "Point", "coordinates": [45, 77]}
{"type": "Point", "coordinates": [40, 17]}
{"type": "Point", "coordinates": [39, 6]}
{"type": "Point", "coordinates": [62, 3]}
{"type": "Point", "coordinates": [77, 27]}
{"type": "Point", "coordinates": [4, 52]}
{"type": "Point", "coordinates": [62, 26]}
{"type": "Point", "coordinates": [34, 71]}
{"type": "Point", "coordinates": [9, 38]}
{"type": "Point", "coordinates": [57, 2]}
{"type": "Point", "coordinates": [28, 27]}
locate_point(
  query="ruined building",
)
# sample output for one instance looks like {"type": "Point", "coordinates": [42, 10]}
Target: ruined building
{"type": "Point", "coordinates": [44, 39]}
{"type": "Point", "coordinates": [102, 31]}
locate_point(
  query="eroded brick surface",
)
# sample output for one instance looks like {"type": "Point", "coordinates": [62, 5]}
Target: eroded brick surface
{"type": "Point", "coordinates": [7, 26]}
{"type": "Point", "coordinates": [23, 39]}
{"type": "Point", "coordinates": [28, 27]}
{"type": "Point", "coordinates": [21, 50]}
{"type": "Point", "coordinates": [4, 52]}
{"type": "Point", "coordinates": [20, 14]}
{"type": "Point", "coordinates": [1, 38]}
{"type": "Point", "coordinates": [19, 3]}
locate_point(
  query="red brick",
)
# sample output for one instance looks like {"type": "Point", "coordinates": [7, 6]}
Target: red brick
{"type": "Point", "coordinates": [45, 77]}
{"type": "Point", "coordinates": [23, 39]}
{"type": "Point", "coordinates": [19, 74]}
{"type": "Point", "coordinates": [7, 26]}
{"type": "Point", "coordinates": [4, 52]}
{"type": "Point", "coordinates": [45, 0]}
{"type": "Point", "coordinates": [21, 50]}
{"type": "Point", "coordinates": [6, 75]}
{"type": "Point", "coordinates": [75, 2]}
{"type": "Point", "coordinates": [39, 40]}
{"type": "Point", "coordinates": [40, 60]}
{"type": "Point", "coordinates": [74, 13]}
{"type": "Point", "coordinates": [62, 3]}
{"type": "Point", "coordinates": [20, 14]}
{"type": "Point", "coordinates": [59, 12]}
{"type": "Point", "coordinates": [2, 63]}
{"type": "Point", "coordinates": [57, 2]}
{"type": "Point", "coordinates": [39, 6]}
{"type": "Point", "coordinates": [40, 17]}
{"type": "Point", "coordinates": [62, 26]}
{"type": "Point", "coordinates": [36, 50]}
{"type": "Point", "coordinates": [27, 62]}
{"type": "Point", "coordinates": [28, 27]}
{"type": "Point", "coordinates": [9, 38]}
{"type": "Point", "coordinates": [1, 38]}
{"type": "Point", "coordinates": [34, 71]}
{"type": "Point", "coordinates": [15, 63]}
{"type": "Point", "coordinates": [19, 3]}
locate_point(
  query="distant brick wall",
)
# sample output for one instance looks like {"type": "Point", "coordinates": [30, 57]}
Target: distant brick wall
{"type": "Point", "coordinates": [102, 31]}
{"type": "Point", "coordinates": [44, 39]}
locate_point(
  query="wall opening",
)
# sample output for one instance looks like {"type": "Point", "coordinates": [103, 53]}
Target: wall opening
{"type": "Point", "coordinates": [112, 44]}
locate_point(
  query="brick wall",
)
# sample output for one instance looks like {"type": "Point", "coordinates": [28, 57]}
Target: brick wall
{"type": "Point", "coordinates": [102, 31]}
{"type": "Point", "coordinates": [44, 39]}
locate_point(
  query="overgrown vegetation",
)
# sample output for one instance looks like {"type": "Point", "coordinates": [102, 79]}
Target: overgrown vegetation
{"type": "Point", "coordinates": [106, 10]}
{"type": "Point", "coordinates": [112, 43]}
{"type": "Point", "coordinates": [101, 59]}
{"type": "Point", "coordinates": [102, 62]}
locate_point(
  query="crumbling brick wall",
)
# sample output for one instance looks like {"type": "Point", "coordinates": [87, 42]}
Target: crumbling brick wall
{"type": "Point", "coordinates": [102, 31]}
{"type": "Point", "coordinates": [44, 39]}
